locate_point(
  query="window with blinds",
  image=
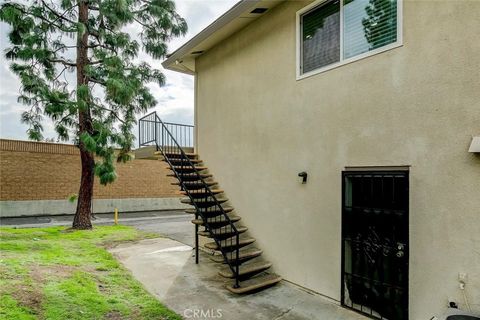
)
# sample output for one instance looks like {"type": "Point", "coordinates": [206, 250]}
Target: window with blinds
{"type": "Point", "coordinates": [332, 32]}
{"type": "Point", "coordinates": [321, 36]}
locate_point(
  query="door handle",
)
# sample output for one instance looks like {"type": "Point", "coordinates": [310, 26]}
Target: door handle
{"type": "Point", "coordinates": [401, 250]}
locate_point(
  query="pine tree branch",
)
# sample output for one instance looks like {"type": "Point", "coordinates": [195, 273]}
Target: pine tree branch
{"type": "Point", "coordinates": [39, 17]}
{"type": "Point", "coordinates": [101, 82]}
{"type": "Point", "coordinates": [103, 46]}
{"type": "Point", "coordinates": [64, 62]}
{"type": "Point", "coordinates": [113, 112]}
{"type": "Point", "coordinates": [67, 116]}
{"type": "Point", "coordinates": [142, 24]}
{"type": "Point", "coordinates": [99, 45]}
{"type": "Point", "coordinates": [64, 47]}
{"type": "Point", "coordinates": [67, 10]}
{"type": "Point", "coordinates": [58, 15]}
{"type": "Point", "coordinates": [61, 72]}
{"type": "Point", "coordinates": [94, 33]}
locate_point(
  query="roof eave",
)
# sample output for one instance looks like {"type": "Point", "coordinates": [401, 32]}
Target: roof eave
{"type": "Point", "coordinates": [175, 61]}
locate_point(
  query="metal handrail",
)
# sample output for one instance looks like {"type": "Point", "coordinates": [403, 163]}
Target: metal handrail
{"type": "Point", "coordinates": [147, 131]}
{"type": "Point", "coordinates": [180, 124]}
{"type": "Point", "coordinates": [208, 194]}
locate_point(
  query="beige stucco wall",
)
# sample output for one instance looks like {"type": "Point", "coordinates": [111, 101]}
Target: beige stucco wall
{"type": "Point", "coordinates": [416, 105]}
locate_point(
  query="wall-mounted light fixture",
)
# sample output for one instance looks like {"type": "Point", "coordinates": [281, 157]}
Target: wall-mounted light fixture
{"type": "Point", "coordinates": [304, 176]}
{"type": "Point", "coordinates": [475, 145]}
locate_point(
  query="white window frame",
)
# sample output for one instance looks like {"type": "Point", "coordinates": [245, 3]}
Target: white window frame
{"type": "Point", "coordinates": [342, 61]}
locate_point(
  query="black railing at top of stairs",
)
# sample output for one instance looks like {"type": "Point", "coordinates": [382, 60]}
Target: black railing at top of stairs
{"type": "Point", "coordinates": [193, 181]}
{"type": "Point", "coordinates": [148, 132]}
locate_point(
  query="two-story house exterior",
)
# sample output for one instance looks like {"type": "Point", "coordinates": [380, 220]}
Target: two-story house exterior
{"type": "Point", "coordinates": [377, 102]}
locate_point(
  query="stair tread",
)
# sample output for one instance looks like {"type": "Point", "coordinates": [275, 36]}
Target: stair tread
{"type": "Point", "coordinates": [227, 243]}
{"type": "Point", "coordinates": [243, 255]}
{"type": "Point", "coordinates": [247, 268]}
{"type": "Point", "coordinates": [214, 221]}
{"type": "Point", "coordinates": [227, 227]}
{"type": "Point", "coordinates": [214, 191]}
{"type": "Point", "coordinates": [200, 200]}
{"type": "Point", "coordinates": [222, 231]}
{"type": "Point", "coordinates": [177, 160]}
{"type": "Point", "coordinates": [188, 154]}
{"type": "Point", "coordinates": [256, 283]}
{"type": "Point", "coordinates": [225, 209]}
{"type": "Point", "coordinates": [195, 183]}
{"type": "Point", "coordinates": [198, 168]}
{"type": "Point", "coordinates": [190, 175]}
{"type": "Point", "coordinates": [206, 199]}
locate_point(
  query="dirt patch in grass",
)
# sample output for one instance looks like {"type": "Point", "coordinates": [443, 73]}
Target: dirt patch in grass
{"type": "Point", "coordinates": [49, 273]}
{"type": "Point", "coordinates": [114, 315]}
{"type": "Point", "coordinates": [41, 274]}
{"type": "Point", "coordinates": [29, 296]}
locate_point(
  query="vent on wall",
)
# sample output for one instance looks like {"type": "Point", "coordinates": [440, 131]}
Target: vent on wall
{"type": "Point", "coordinates": [259, 10]}
{"type": "Point", "coordinates": [197, 52]}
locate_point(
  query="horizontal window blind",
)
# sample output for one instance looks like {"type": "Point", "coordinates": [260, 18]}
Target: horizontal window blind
{"type": "Point", "coordinates": [321, 36]}
{"type": "Point", "coordinates": [368, 25]}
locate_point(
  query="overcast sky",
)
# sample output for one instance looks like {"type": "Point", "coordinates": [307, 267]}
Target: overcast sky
{"type": "Point", "coordinates": [175, 99]}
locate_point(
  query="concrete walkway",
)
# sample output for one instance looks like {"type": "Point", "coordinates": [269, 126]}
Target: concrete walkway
{"type": "Point", "coordinates": [167, 269]}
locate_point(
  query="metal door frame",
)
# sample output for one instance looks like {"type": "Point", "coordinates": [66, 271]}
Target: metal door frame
{"type": "Point", "coordinates": [373, 170]}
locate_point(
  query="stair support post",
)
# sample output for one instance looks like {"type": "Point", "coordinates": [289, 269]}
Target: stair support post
{"type": "Point", "coordinates": [237, 266]}
{"type": "Point", "coordinates": [196, 239]}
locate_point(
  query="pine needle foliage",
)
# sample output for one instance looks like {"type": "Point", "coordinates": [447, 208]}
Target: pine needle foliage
{"type": "Point", "coordinates": [98, 43]}
{"type": "Point", "coordinates": [46, 43]}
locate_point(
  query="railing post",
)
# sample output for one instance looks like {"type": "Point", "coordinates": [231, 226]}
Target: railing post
{"type": "Point", "coordinates": [155, 130]}
{"type": "Point", "coordinates": [163, 135]}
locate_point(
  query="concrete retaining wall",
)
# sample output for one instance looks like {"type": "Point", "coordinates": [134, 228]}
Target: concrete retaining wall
{"type": "Point", "coordinates": [57, 207]}
{"type": "Point", "coordinates": [37, 178]}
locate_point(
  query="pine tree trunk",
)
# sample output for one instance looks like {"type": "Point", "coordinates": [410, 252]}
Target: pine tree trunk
{"type": "Point", "coordinates": [84, 203]}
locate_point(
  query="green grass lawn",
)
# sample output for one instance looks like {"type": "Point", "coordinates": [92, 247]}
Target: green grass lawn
{"type": "Point", "coordinates": [53, 273]}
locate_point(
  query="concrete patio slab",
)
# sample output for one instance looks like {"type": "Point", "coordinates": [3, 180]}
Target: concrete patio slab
{"type": "Point", "coordinates": [167, 269]}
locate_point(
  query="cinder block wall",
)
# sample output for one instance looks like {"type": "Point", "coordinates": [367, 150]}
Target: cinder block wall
{"type": "Point", "coordinates": [50, 171]}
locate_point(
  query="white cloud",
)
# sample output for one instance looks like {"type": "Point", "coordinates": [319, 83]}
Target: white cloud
{"type": "Point", "coordinates": [175, 99]}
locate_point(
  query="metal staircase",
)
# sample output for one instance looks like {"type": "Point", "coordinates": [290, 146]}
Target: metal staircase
{"type": "Point", "coordinates": [210, 207]}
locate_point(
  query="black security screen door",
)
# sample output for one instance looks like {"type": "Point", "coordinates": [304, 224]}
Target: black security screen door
{"type": "Point", "coordinates": [375, 243]}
